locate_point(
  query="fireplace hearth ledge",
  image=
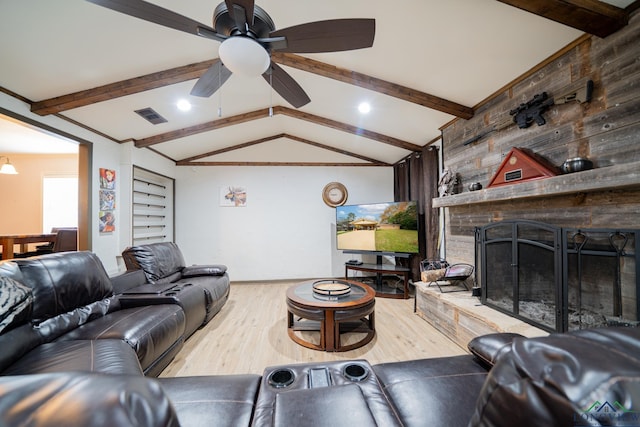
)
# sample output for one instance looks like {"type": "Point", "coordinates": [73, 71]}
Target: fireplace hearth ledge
{"type": "Point", "coordinates": [599, 179]}
{"type": "Point", "coordinates": [461, 316]}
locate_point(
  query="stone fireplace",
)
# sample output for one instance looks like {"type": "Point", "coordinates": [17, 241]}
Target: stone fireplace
{"type": "Point", "coordinates": [559, 279]}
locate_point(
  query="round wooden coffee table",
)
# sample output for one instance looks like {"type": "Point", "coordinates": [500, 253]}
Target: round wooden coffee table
{"type": "Point", "coordinates": [331, 314]}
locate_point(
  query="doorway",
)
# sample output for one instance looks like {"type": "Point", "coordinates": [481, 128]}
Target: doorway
{"type": "Point", "coordinates": [28, 143]}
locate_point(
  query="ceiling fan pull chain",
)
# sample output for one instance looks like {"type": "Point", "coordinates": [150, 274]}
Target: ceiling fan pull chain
{"type": "Point", "coordinates": [271, 94]}
{"type": "Point", "coordinates": [220, 91]}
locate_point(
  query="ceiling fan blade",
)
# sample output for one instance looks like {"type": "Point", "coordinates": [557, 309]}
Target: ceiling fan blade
{"type": "Point", "coordinates": [286, 86]}
{"type": "Point", "coordinates": [158, 15]}
{"type": "Point", "coordinates": [211, 80]}
{"type": "Point", "coordinates": [236, 6]}
{"type": "Point", "coordinates": [327, 36]}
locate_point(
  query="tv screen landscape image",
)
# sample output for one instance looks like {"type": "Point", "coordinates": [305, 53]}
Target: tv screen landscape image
{"type": "Point", "coordinates": [378, 227]}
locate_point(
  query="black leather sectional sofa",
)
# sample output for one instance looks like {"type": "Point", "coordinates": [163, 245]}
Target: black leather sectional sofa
{"type": "Point", "coordinates": [75, 351]}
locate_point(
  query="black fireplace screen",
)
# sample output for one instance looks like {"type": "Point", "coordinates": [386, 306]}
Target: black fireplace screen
{"type": "Point", "coordinates": [559, 279]}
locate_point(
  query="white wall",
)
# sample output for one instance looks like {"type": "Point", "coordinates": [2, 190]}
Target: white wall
{"type": "Point", "coordinates": [284, 231]}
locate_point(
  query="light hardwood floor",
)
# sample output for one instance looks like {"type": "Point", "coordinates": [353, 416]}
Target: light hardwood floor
{"type": "Point", "coordinates": [250, 334]}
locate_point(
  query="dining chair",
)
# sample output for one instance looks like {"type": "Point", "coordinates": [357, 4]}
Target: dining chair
{"type": "Point", "coordinates": [66, 240]}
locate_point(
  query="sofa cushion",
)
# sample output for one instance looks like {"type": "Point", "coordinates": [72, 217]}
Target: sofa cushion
{"type": "Point", "coordinates": [189, 297]}
{"type": "Point", "coordinates": [62, 282]}
{"type": "Point", "coordinates": [151, 330]}
{"type": "Point", "coordinates": [216, 291]}
{"type": "Point", "coordinates": [103, 356]}
{"type": "Point", "coordinates": [158, 260]}
{"type": "Point", "coordinates": [81, 400]}
{"type": "Point", "coordinates": [15, 302]}
{"type": "Point", "coordinates": [204, 270]}
{"type": "Point", "coordinates": [589, 378]}
{"type": "Point", "coordinates": [433, 392]}
{"type": "Point", "coordinates": [221, 400]}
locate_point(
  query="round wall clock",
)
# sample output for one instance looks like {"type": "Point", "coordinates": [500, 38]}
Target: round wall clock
{"type": "Point", "coordinates": [334, 194]}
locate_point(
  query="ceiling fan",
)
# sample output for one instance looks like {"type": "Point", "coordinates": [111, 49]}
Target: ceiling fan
{"type": "Point", "coordinates": [248, 36]}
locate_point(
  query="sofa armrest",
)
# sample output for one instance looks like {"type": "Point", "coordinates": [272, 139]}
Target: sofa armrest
{"type": "Point", "coordinates": [324, 406]}
{"type": "Point", "coordinates": [148, 289]}
{"type": "Point", "coordinates": [204, 270]}
{"type": "Point", "coordinates": [128, 280]}
{"type": "Point", "coordinates": [564, 379]}
{"type": "Point", "coordinates": [487, 348]}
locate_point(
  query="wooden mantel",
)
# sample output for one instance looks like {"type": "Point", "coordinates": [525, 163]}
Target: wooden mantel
{"type": "Point", "coordinates": [600, 179]}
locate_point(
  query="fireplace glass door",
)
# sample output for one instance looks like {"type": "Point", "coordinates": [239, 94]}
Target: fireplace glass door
{"type": "Point", "coordinates": [521, 271]}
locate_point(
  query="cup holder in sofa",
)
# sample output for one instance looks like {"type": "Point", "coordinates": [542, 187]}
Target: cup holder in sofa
{"type": "Point", "coordinates": [355, 372]}
{"type": "Point", "coordinates": [281, 378]}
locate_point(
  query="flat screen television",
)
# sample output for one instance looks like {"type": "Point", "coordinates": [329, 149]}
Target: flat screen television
{"type": "Point", "coordinates": [390, 227]}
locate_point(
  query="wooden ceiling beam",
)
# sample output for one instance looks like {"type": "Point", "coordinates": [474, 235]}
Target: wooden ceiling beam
{"type": "Point", "coordinates": [283, 164]}
{"type": "Point", "coordinates": [259, 114]}
{"type": "Point", "coordinates": [121, 88]}
{"type": "Point", "coordinates": [591, 16]}
{"type": "Point", "coordinates": [190, 160]}
{"type": "Point", "coordinates": [203, 127]}
{"type": "Point", "coordinates": [372, 83]}
{"type": "Point", "coordinates": [336, 150]}
{"type": "Point", "coordinates": [194, 71]}
{"type": "Point", "coordinates": [344, 127]}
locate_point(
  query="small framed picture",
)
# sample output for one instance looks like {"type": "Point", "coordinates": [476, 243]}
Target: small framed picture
{"type": "Point", "coordinates": [107, 179]}
{"type": "Point", "coordinates": [107, 223]}
{"type": "Point", "coordinates": [231, 195]}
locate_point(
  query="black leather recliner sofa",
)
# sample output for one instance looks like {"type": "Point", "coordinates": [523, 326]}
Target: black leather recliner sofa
{"type": "Point", "coordinates": [53, 375]}
{"type": "Point", "coordinates": [157, 274]}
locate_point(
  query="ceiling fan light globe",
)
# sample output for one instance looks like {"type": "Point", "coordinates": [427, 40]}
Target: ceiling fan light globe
{"type": "Point", "coordinates": [244, 56]}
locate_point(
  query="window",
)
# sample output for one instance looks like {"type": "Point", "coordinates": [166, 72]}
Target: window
{"type": "Point", "coordinates": [59, 202]}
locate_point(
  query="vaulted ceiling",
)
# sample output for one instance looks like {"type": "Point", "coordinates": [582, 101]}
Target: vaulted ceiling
{"type": "Point", "coordinates": [431, 61]}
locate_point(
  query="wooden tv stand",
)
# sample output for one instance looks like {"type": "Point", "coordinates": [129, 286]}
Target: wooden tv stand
{"type": "Point", "coordinates": [381, 289]}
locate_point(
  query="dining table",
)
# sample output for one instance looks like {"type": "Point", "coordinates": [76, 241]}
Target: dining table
{"type": "Point", "coordinates": [9, 240]}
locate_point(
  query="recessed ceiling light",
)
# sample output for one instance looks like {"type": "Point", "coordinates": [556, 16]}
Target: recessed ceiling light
{"type": "Point", "coordinates": [364, 107]}
{"type": "Point", "coordinates": [184, 105]}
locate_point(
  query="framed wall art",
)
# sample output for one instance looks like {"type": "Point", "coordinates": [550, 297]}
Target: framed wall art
{"type": "Point", "coordinates": [233, 195]}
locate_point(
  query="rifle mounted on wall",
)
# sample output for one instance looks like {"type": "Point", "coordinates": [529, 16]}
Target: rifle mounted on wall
{"type": "Point", "coordinates": [525, 114]}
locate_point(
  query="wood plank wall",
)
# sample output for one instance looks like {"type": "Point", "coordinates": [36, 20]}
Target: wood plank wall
{"type": "Point", "coordinates": [606, 130]}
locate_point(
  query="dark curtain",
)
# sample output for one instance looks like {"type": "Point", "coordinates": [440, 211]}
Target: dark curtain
{"type": "Point", "coordinates": [401, 181]}
{"type": "Point", "coordinates": [431, 222]}
{"type": "Point", "coordinates": [416, 178]}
